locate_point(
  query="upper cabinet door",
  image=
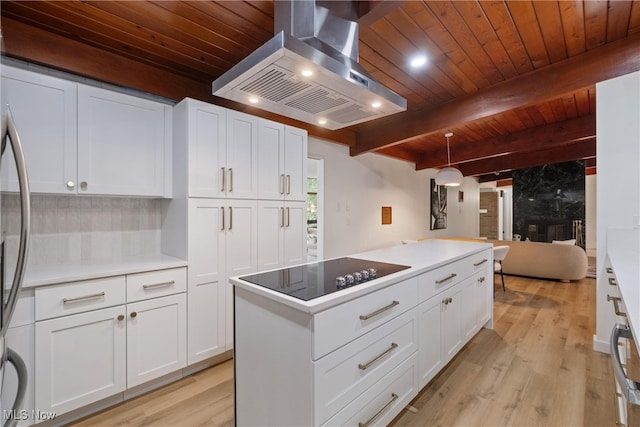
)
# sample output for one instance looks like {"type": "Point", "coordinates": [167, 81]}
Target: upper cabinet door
{"type": "Point", "coordinates": [241, 179]}
{"type": "Point", "coordinates": [295, 163]}
{"type": "Point", "coordinates": [121, 144]}
{"type": "Point", "coordinates": [44, 109]}
{"type": "Point", "coordinates": [205, 136]}
{"type": "Point", "coordinates": [271, 178]}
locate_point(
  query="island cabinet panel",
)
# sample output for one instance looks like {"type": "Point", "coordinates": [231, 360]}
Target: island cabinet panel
{"type": "Point", "coordinates": [358, 357]}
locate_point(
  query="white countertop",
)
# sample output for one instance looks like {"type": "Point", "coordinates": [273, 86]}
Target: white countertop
{"type": "Point", "coordinates": [71, 272]}
{"type": "Point", "coordinates": [421, 256]}
{"type": "Point", "coordinates": [623, 249]}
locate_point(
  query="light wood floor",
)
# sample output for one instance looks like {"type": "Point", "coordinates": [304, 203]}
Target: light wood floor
{"type": "Point", "coordinates": [536, 368]}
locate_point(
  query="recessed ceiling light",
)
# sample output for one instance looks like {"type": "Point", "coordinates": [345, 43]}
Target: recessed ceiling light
{"type": "Point", "coordinates": [322, 121]}
{"type": "Point", "coordinates": [253, 100]}
{"type": "Point", "coordinates": [307, 73]}
{"type": "Point", "coordinates": [376, 104]}
{"type": "Point", "coordinates": [418, 61]}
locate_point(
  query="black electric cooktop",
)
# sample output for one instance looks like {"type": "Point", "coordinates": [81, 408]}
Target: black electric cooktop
{"type": "Point", "coordinates": [322, 278]}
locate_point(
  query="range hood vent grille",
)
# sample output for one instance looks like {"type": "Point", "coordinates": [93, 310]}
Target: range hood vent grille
{"type": "Point", "coordinates": [314, 37]}
{"type": "Point", "coordinates": [274, 85]}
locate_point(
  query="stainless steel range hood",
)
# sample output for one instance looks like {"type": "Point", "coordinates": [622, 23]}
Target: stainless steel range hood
{"type": "Point", "coordinates": [309, 70]}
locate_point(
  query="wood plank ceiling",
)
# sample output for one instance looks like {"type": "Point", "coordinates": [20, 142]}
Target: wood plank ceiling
{"type": "Point", "coordinates": [513, 80]}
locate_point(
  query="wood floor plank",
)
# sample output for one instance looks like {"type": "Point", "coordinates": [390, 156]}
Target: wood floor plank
{"type": "Point", "coordinates": [536, 367]}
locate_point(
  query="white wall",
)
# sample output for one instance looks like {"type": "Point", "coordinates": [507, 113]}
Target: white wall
{"type": "Point", "coordinates": [356, 188]}
{"type": "Point", "coordinates": [590, 217]}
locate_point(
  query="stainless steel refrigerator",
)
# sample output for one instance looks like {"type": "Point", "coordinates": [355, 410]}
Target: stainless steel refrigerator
{"type": "Point", "coordinates": [12, 391]}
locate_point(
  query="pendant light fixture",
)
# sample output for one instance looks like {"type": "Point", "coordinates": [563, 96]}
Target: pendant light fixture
{"type": "Point", "coordinates": [451, 177]}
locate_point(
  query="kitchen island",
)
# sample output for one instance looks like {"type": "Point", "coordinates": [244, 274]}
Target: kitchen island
{"type": "Point", "coordinates": [360, 353]}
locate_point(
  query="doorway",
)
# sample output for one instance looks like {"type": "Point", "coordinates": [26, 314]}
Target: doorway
{"type": "Point", "coordinates": [315, 208]}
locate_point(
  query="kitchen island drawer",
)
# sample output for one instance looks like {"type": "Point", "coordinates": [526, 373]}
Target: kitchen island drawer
{"type": "Point", "coordinates": [339, 325]}
{"type": "Point", "coordinates": [380, 404]}
{"type": "Point", "coordinates": [346, 373]}
{"type": "Point", "coordinates": [157, 283]}
{"type": "Point", "coordinates": [432, 282]}
{"type": "Point", "coordinates": [77, 297]}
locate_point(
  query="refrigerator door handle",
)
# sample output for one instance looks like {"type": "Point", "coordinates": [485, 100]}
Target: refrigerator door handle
{"type": "Point", "coordinates": [9, 130]}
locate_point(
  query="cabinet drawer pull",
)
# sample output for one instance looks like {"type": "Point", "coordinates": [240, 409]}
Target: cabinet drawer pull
{"type": "Point", "coordinates": [616, 306]}
{"type": "Point", "coordinates": [477, 264]}
{"type": "Point", "coordinates": [288, 184]}
{"type": "Point", "coordinates": [613, 281]}
{"type": "Point", "coordinates": [159, 285]}
{"type": "Point", "coordinates": [380, 310]}
{"type": "Point", "coordinates": [630, 388]}
{"type": "Point", "coordinates": [223, 179]}
{"type": "Point", "coordinates": [364, 366]}
{"type": "Point", "coordinates": [230, 217]}
{"type": "Point", "coordinates": [230, 180]}
{"type": "Point", "coordinates": [609, 270]}
{"type": "Point", "coordinates": [449, 277]}
{"type": "Point", "coordinates": [377, 414]}
{"type": "Point", "coordinates": [282, 184]}
{"type": "Point", "coordinates": [82, 298]}
{"type": "Point", "coordinates": [222, 215]}
{"type": "Point", "coordinates": [288, 217]}
{"type": "Point", "coordinates": [281, 217]}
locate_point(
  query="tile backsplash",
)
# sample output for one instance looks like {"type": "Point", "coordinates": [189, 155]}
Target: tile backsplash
{"type": "Point", "coordinates": [70, 229]}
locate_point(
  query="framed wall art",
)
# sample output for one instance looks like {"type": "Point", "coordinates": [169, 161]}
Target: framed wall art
{"type": "Point", "coordinates": [438, 206]}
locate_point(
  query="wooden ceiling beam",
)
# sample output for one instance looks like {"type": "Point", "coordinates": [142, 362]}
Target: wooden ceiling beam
{"type": "Point", "coordinates": [576, 73]}
{"type": "Point", "coordinates": [541, 137]}
{"type": "Point", "coordinates": [576, 151]}
{"type": "Point", "coordinates": [373, 10]}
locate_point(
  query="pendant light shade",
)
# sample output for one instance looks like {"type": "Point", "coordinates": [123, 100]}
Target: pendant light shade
{"type": "Point", "coordinates": [449, 176]}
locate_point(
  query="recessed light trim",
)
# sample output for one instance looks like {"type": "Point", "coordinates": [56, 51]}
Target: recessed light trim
{"type": "Point", "coordinates": [307, 73]}
{"type": "Point", "coordinates": [376, 104]}
{"type": "Point", "coordinates": [418, 61]}
{"type": "Point", "coordinates": [254, 100]}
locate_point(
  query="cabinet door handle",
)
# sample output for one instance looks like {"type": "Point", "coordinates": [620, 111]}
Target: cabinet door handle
{"type": "Point", "coordinates": [609, 270]}
{"type": "Point", "coordinates": [449, 277]}
{"type": "Point", "coordinates": [477, 264]}
{"type": "Point", "coordinates": [230, 217]}
{"type": "Point", "coordinates": [230, 180]}
{"type": "Point", "coordinates": [159, 285]}
{"type": "Point", "coordinates": [364, 366]}
{"type": "Point", "coordinates": [223, 179]}
{"type": "Point", "coordinates": [83, 298]}
{"type": "Point", "coordinates": [447, 301]}
{"type": "Point", "coordinates": [481, 279]}
{"type": "Point", "coordinates": [222, 215]}
{"type": "Point", "coordinates": [71, 185]}
{"type": "Point", "coordinates": [377, 414]}
{"type": "Point", "coordinates": [281, 217]}
{"type": "Point", "coordinates": [133, 314]}
{"type": "Point", "coordinates": [613, 281]}
{"type": "Point", "coordinates": [616, 306]}
{"type": "Point", "coordinates": [281, 183]}
{"type": "Point", "coordinates": [288, 184]}
{"type": "Point", "coordinates": [120, 317]}
{"type": "Point", "coordinates": [84, 185]}
{"type": "Point", "coordinates": [630, 388]}
{"type": "Point", "coordinates": [378, 311]}
{"type": "Point", "coordinates": [288, 217]}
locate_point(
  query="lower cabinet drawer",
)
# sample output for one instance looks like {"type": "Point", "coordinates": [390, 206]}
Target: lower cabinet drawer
{"type": "Point", "coordinates": [344, 374]}
{"type": "Point", "coordinates": [153, 284]}
{"type": "Point", "coordinates": [339, 325]}
{"type": "Point", "coordinates": [379, 404]}
{"type": "Point", "coordinates": [78, 297]}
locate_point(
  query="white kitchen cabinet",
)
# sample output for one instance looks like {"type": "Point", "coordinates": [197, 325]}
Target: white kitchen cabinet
{"type": "Point", "coordinates": [80, 359]}
{"type": "Point", "coordinates": [217, 150]}
{"type": "Point", "coordinates": [156, 338]}
{"type": "Point", "coordinates": [222, 243]}
{"type": "Point", "coordinates": [45, 112]}
{"type": "Point", "coordinates": [281, 161]}
{"type": "Point", "coordinates": [121, 143]}
{"type": "Point", "coordinates": [282, 238]}
{"type": "Point", "coordinates": [430, 353]}
{"type": "Point", "coordinates": [80, 139]}
{"type": "Point", "coordinates": [91, 343]}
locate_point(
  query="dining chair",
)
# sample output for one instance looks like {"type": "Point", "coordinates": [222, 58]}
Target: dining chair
{"type": "Point", "coordinates": [499, 254]}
